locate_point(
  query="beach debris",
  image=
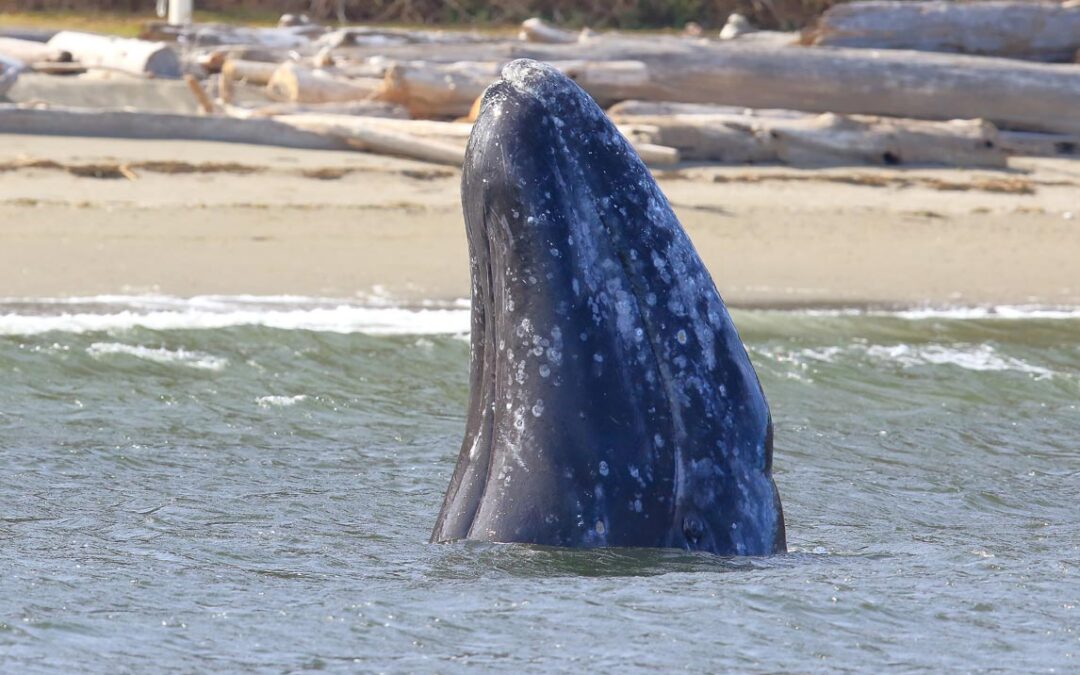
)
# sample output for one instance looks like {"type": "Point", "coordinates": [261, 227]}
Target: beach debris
{"type": "Point", "coordinates": [30, 52]}
{"type": "Point", "coordinates": [752, 96]}
{"type": "Point", "coordinates": [294, 82]}
{"type": "Point", "coordinates": [137, 57]}
{"type": "Point", "coordinates": [537, 30]}
{"type": "Point", "coordinates": [788, 137]}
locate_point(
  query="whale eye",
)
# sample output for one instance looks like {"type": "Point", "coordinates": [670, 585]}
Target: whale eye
{"type": "Point", "coordinates": [692, 529]}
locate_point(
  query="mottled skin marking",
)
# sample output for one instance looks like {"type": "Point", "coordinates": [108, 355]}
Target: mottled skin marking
{"type": "Point", "coordinates": [611, 400]}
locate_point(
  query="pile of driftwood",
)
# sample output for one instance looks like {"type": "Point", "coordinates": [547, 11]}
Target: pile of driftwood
{"type": "Point", "coordinates": [961, 84]}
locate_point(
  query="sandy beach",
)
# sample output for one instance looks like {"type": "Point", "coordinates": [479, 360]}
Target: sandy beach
{"type": "Point", "coordinates": [83, 216]}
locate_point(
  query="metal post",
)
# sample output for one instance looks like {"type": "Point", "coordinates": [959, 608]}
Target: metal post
{"type": "Point", "coordinates": [180, 12]}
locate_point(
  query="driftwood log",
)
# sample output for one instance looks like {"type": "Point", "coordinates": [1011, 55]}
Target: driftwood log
{"type": "Point", "coordinates": [362, 134]}
{"type": "Point", "coordinates": [295, 83]}
{"type": "Point", "coordinates": [1011, 94]}
{"type": "Point", "coordinates": [1039, 31]}
{"type": "Point", "coordinates": [138, 57]}
{"type": "Point", "coordinates": [16, 119]}
{"type": "Point", "coordinates": [440, 90]}
{"type": "Point", "coordinates": [355, 108]}
{"type": "Point", "coordinates": [738, 137]}
{"type": "Point", "coordinates": [30, 52]}
{"type": "Point", "coordinates": [536, 30]}
{"type": "Point", "coordinates": [436, 90]}
{"type": "Point", "coordinates": [252, 72]}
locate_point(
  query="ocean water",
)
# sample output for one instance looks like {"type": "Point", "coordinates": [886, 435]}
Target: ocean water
{"type": "Point", "coordinates": [248, 484]}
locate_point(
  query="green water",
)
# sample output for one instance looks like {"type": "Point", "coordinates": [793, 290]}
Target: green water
{"type": "Point", "coordinates": [251, 498]}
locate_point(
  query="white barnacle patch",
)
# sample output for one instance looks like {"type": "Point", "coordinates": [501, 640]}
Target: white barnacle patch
{"type": "Point", "coordinates": [680, 337]}
{"type": "Point", "coordinates": [575, 286]}
{"type": "Point", "coordinates": [650, 299]}
{"type": "Point", "coordinates": [603, 468]}
{"type": "Point", "coordinates": [555, 252]}
{"type": "Point", "coordinates": [519, 419]}
{"type": "Point", "coordinates": [545, 370]}
{"type": "Point", "coordinates": [658, 440]}
{"type": "Point", "coordinates": [531, 220]}
{"type": "Point", "coordinates": [538, 408]}
{"type": "Point", "coordinates": [599, 358]}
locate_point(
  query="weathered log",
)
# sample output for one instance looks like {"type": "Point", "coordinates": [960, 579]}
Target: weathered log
{"type": "Point", "coordinates": [450, 90]}
{"type": "Point", "coordinates": [127, 124]}
{"type": "Point", "coordinates": [1011, 94]}
{"type": "Point", "coordinates": [213, 34]}
{"type": "Point", "coordinates": [635, 108]}
{"type": "Point", "coordinates": [1039, 31]}
{"type": "Point", "coordinates": [252, 72]}
{"type": "Point", "coordinates": [436, 90]}
{"type": "Point", "coordinates": [821, 140]}
{"type": "Point", "coordinates": [293, 82]}
{"type": "Point", "coordinates": [356, 108]}
{"type": "Point", "coordinates": [1032, 144]}
{"type": "Point", "coordinates": [30, 52]}
{"type": "Point", "coordinates": [362, 135]}
{"type": "Point", "coordinates": [206, 105]}
{"type": "Point", "coordinates": [536, 30]}
{"type": "Point", "coordinates": [138, 57]}
{"type": "Point", "coordinates": [384, 37]}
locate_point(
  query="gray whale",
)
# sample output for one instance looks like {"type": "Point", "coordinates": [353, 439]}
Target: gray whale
{"type": "Point", "coordinates": [611, 401]}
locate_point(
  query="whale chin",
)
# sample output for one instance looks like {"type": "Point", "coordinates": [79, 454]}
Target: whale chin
{"type": "Point", "coordinates": [611, 400]}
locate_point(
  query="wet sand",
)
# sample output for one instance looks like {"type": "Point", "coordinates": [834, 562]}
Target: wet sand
{"type": "Point", "coordinates": [96, 216]}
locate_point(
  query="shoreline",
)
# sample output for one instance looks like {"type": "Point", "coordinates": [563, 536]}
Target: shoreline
{"type": "Point", "coordinates": [93, 216]}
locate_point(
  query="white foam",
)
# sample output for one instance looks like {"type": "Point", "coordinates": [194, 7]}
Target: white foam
{"type": "Point", "coordinates": [376, 313]}
{"type": "Point", "coordinates": [198, 360]}
{"type": "Point", "coordinates": [956, 313]}
{"type": "Point", "coordinates": [114, 313]}
{"type": "Point", "coordinates": [969, 357]}
{"type": "Point", "coordinates": [280, 401]}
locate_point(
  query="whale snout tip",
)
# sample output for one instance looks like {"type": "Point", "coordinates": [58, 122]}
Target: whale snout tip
{"type": "Point", "coordinates": [529, 79]}
{"type": "Point", "coordinates": [531, 76]}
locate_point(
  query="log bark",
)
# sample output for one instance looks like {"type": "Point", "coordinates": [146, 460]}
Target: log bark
{"type": "Point", "coordinates": [138, 57]}
{"type": "Point", "coordinates": [1039, 31]}
{"type": "Point", "coordinates": [31, 52]}
{"type": "Point", "coordinates": [292, 82]}
{"type": "Point", "coordinates": [821, 140]}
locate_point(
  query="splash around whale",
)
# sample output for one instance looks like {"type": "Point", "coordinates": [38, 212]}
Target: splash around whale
{"type": "Point", "coordinates": [611, 402]}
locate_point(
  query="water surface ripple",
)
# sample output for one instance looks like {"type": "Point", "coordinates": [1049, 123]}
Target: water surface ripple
{"type": "Point", "coordinates": [258, 498]}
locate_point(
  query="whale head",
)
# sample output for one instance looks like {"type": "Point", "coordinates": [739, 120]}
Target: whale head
{"type": "Point", "coordinates": [612, 402]}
